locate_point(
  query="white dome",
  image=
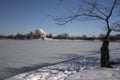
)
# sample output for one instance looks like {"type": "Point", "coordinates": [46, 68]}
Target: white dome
{"type": "Point", "coordinates": [40, 31]}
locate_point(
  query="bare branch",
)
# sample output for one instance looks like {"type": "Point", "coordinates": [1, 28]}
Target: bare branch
{"type": "Point", "coordinates": [111, 10]}
{"type": "Point", "coordinates": [100, 11]}
{"type": "Point", "coordinates": [110, 14]}
{"type": "Point", "coordinates": [93, 11]}
{"type": "Point", "coordinates": [93, 15]}
{"type": "Point", "coordinates": [116, 26]}
{"type": "Point", "coordinates": [95, 7]}
{"type": "Point", "coordinates": [62, 21]}
{"type": "Point", "coordinates": [88, 14]}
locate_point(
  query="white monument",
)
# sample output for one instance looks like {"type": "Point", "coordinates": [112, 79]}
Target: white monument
{"type": "Point", "coordinates": [40, 33]}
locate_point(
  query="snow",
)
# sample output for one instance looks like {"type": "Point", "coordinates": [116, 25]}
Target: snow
{"type": "Point", "coordinates": [96, 74]}
{"type": "Point", "coordinates": [19, 56]}
{"type": "Point", "coordinates": [82, 68]}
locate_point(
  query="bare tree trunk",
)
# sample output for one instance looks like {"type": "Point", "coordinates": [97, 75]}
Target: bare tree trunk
{"type": "Point", "coordinates": [105, 51]}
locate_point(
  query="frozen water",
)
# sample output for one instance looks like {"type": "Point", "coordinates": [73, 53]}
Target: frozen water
{"type": "Point", "coordinates": [17, 56]}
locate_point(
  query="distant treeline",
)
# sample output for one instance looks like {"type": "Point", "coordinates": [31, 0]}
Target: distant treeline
{"type": "Point", "coordinates": [30, 36]}
{"type": "Point", "coordinates": [85, 37]}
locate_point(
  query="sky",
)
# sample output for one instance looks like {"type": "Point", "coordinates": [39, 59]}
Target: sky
{"type": "Point", "coordinates": [24, 16]}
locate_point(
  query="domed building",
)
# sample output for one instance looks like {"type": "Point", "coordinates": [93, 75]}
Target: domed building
{"type": "Point", "coordinates": [40, 33]}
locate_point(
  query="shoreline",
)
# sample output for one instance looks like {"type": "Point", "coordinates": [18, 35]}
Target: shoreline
{"type": "Point", "coordinates": [30, 68]}
{"type": "Point", "coordinates": [12, 72]}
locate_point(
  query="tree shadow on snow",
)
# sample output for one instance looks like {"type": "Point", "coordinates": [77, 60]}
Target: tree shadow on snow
{"type": "Point", "coordinates": [8, 72]}
{"type": "Point", "coordinates": [115, 61]}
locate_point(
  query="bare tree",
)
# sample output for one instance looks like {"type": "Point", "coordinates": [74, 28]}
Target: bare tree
{"type": "Point", "coordinates": [94, 10]}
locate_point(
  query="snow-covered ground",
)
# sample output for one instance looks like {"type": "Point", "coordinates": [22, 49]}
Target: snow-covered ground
{"type": "Point", "coordinates": [18, 56]}
{"type": "Point", "coordinates": [83, 68]}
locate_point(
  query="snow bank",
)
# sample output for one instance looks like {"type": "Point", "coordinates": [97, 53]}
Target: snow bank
{"type": "Point", "coordinates": [83, 68]}
{"type": "Point", "coordinates": [96, 74]}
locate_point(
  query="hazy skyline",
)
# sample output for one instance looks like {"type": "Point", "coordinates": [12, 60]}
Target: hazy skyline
{"type": "Point", "coordinates": [24, 16]}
